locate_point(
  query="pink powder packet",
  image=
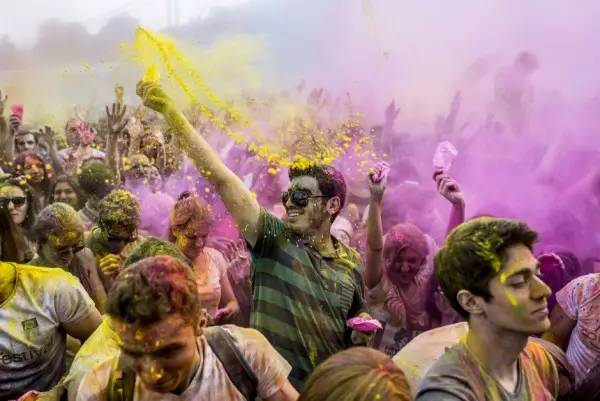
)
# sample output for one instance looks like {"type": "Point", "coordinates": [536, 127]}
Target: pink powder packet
{"type": "Point", "coordinates": [364, 325]}
{"type": "Point", "coordinates": [379, 172]}
{"type": "Point", "coordinates": [444, 155]}
{"type": "Point", "coordinates": [17, 110]}
{"type": "Point", "coordinates": [218, 314]}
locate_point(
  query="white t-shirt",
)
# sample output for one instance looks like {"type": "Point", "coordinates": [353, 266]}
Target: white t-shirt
{"type": "Point", "coordinates": [580, 299]}
{"type": "Point", "coordinates": [32, 344]}
{"type": "Point", "coordinates": [100, 346]}
{"type": "Point", "coordinates": [211, 381]}
{"type": "Point", "coordinates": [420, 354]}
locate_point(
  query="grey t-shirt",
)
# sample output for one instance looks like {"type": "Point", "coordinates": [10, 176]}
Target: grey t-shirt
{"type": "Point", "coordinates": [456, 376]}
{"type": "Point", "coordinates": [32, 344]}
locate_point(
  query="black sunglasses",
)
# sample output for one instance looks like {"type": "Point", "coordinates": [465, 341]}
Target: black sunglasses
{"type": "Point", "coordinates": [116, 238]}
{"type": "Point", "coordinates": [299, 197]}
{"type": "Point", "coordinates": [16, 201]}
{"type": "Point", "coordinates": [67, 251]}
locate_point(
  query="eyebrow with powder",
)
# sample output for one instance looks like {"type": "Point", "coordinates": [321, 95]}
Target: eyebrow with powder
{"type": "Point", "coordinates": [525, 271]}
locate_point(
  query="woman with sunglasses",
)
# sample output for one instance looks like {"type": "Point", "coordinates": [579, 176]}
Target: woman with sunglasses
{"type": "Point", "coordinates": [190, 222]}
{"type": "Point", "coordinates": [17, 199]}
{"type": "Point", "coordinates": [58, 231]}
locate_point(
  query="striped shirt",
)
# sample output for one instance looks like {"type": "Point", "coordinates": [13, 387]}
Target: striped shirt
{"type": "Point", "coordinates": [301, 300]}
{"type": "Point", "coordinates": [580, 300]}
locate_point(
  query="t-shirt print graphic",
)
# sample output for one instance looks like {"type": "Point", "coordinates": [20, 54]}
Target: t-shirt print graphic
{"type": "Point", "coordinates": [30, 328]}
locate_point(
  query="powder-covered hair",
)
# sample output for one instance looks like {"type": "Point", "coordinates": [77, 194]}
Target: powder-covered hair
{"type": "Point", "coordinates": [23, 158]}
{"type": "Point", "coordinates": [403, 236]}
{"type": "Point", "coordinates": [97, 179]}
{"type": "Point", "coordinates": [357, 374]}
{"type": "Point", "coordinates": [189, 206]}
{"type": "Point", "coordinates": [56, 220]}
{"type": "Point", "coordinates": [154, 246]}
{"type": "Point", "coordinates": [119, 207]}
{"type": "Point", "coordinates": [152, 290]}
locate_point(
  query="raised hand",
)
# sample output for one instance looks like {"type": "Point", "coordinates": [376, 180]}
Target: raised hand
{"type": "Point", "coordinates": [378, 179]}
{"type": "Point", "coordinates": [455, 105]}
{"type": "Point", "coordinates": [300, 86]}
{"type": "Point", "coordinates": [46, 137]}
{"type": "Point", "coordinates": [316, 100]}
{"type": "Point", "coordinates": [224, 314]}
{"type": "Point", "coordinates": [448, 187]}
{"type": "Point", "coordinates": [153, 96]}
{"type": "Point", "coordinates": [116, 118]}
{"type": "Point", "coordinates": [391, 112]}
{"type": "Point", "coordinates": [3, 99]}
{"type": "Point", "coordinates": [86, 133]}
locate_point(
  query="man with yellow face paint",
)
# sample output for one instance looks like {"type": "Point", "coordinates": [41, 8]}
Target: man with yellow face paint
{"type": "Point", "coordinates": [156, 313]}
{"type": "Point", "coordinates": [58, 232]}
{"type": "Point", "coordinates": [488, 273]}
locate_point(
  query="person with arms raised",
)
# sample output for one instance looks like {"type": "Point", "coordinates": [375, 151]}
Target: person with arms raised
{"type": "Point", "coordinates": [306, 284]}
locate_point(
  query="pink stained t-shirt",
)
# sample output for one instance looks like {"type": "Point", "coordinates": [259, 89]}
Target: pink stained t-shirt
{"type": "Point", "coordinates": [208, 278]}
{"type": "Point", "coordinates": [580, 299]}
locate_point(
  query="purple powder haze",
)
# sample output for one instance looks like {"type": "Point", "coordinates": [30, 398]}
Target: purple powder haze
{"type": "Point", "coordinates": [512, 84]}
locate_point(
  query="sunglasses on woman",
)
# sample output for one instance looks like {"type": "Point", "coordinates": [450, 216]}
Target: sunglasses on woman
{"type": "Point", "coordinates": [17, 201]}
{"type": "Point", "coordinates": [63, 252]}
{"type": "Point", "coordinates": [299, 197]}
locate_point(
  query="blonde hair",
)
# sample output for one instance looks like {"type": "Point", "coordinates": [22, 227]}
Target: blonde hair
{"type": "Point", "coordinates": [357, 374]}
{"type": "Point", "coordinates": [189, 206]}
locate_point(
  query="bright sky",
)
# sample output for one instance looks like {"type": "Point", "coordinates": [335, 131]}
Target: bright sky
{"type": "Point", "coordinates": [20, 19]}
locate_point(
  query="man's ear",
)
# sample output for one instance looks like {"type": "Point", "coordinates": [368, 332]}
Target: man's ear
{"type": "Point", "coordinates": [334, 205]}
{"type": "Point", "coordinates": [471, 303]}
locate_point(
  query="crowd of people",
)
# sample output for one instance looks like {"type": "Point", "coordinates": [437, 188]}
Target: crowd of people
{"type": "Point", "coordinates": [145, 256]}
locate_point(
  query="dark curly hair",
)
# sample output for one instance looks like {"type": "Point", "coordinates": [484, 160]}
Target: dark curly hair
{"type": "Point", "coordinates": [152, 289]}
{"type": "Point", "coordinates": [474, 253]}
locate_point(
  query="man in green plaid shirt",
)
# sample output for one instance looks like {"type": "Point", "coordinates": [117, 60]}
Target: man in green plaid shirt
{"type": "Point", "coordinates": [305, 284]}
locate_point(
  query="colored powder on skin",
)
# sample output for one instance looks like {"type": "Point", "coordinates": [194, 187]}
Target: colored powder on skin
{"type": "Point", "coordinates": [139, 335]}
{"type": "Point", "coordinates": [323, 146]}
{"type": "Point", "coordinates": [517, 307]}
{"type": "Point", "coordinates": [312, 352]}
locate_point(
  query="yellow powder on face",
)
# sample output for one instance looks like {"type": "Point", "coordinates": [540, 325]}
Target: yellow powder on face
{"type": "Point", "coordinates": [139, 335]}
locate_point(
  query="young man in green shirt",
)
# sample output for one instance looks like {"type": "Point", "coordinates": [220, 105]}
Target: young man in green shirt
{"type": "Point", "coordinates": [305, 284]}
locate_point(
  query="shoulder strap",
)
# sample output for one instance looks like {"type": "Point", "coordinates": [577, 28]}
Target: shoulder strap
{"type": "Point", "coordinates": [242, 376]}
{"type": "Point", "coordinates": [121, 383]}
